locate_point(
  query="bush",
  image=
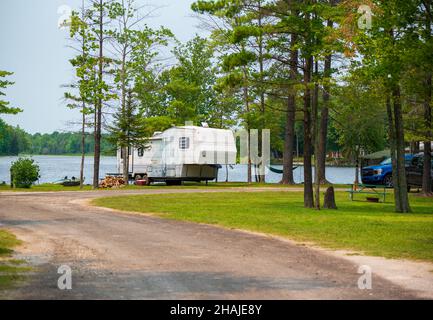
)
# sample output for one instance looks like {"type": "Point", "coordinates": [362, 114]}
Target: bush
{"type": "Point", "coordinates": [24, 172]}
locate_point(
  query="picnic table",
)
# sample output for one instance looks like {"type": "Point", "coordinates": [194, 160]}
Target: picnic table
{"type": "Point", "coordinates": [377, 190]}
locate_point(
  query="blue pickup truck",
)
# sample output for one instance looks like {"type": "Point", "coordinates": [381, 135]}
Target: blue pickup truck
{"type": "Point", "coordinates": [381, 174]}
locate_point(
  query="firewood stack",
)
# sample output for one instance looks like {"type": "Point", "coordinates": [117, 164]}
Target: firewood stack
{"type": "Point", "coordinates": [112, 182]}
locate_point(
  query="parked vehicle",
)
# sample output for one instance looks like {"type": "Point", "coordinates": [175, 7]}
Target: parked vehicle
{"type": "Point", "coordinates": [415, 171]}
{"type": "Point", "coordinates": [381, 174]}
{"type": "Point", "coordinates": [179, 154]}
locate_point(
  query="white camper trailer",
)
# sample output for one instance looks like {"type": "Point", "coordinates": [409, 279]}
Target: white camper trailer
{"type": "Point", "coordinates": [182, 154]}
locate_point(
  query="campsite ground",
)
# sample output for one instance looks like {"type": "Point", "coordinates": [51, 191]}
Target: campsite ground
{"type": "Point", "coordinates": [373, 229]}
{"type": "Point", "coordinates": [133, 256]}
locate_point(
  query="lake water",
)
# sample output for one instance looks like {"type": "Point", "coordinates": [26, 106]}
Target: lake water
{"type": "Point", "coordinates": [54, 168]}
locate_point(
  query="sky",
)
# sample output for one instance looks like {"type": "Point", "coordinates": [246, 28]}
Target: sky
{"type": "Point", "coordinates": [35, 49]}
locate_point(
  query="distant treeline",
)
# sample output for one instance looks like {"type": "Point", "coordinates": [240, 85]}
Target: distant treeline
{"type": "Point", "coordinates": [15, 141]}
{"type": "Point", "coordinates": [12, 139]}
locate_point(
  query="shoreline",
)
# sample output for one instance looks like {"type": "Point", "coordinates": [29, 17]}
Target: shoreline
{"type": "Point", "coordinates": [52, 155]}
{"type": "Point", "coordinates": [277, 163]}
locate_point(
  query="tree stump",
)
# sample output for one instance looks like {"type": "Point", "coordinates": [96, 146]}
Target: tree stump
{"type": "Point", "coordinates": [330, 199]}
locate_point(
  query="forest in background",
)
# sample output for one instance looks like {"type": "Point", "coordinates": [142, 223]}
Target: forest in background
{"type": "Point", "coordinates": [15, 141]}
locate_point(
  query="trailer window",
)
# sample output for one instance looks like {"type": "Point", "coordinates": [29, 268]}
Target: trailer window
{"type": "Point", "coordinates": [140, 152]}
{"type": "Point", "coordinates": [184, 143]}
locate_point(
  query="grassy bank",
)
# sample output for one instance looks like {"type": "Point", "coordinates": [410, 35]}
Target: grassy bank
{"type": "Point", "coordinates": [372, 229]}
{"type": "Point", "coordinates": [11, 270]}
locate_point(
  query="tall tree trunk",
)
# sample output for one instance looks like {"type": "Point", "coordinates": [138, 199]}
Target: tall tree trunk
{"type": "Point", "coordinates": [397, 143]}
{"type": "Point", "coordinates": [83, 98]}
{"type": "Point", "coordinates": [315, 112]}
{"type": "Point", "coordinates": [98, 107]}
{"type": "Point", "coordinates": [400, 144]}
{"type": "Point", "coordinates": [308, 176]}
{"type": "Point", "coordinates": [393, 150]}
{"type": "Point", "coordinates": [417, 149]}
{"type": "Point", "coordinates": [324, 119]}
{"type": "Point", "coordinates": [261, 167]}
{"type": "Point", "coordinates": [290, 117]}
{"type": "Point", "coordinates": [247, 108]}
{"type": "Point", "coordinates": [125, 166]}
{"type": "Point", "coordinates": [426, 177]}
{"type": "Point", "coordinates": [414, 146]}
{"type": "Point", "coordinates": [124, 112]}
{"type": "Point", "coordinates": [357, 156]}
{"type": "Point", "coordinates": [289, 142]}
{"type": "Point", "coordinates": [83, 146]}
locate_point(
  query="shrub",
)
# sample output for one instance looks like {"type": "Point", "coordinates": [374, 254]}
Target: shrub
{"type": "Point", "coordinates": [24, 172]}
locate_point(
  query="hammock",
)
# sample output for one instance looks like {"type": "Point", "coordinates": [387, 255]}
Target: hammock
{"type": "Point", "coordinates": [275, 170]}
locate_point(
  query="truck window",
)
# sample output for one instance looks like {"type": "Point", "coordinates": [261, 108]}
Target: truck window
{"type": "Point", "coordinates": [417, 162]}
{"type": "Point", "coordinates": [386, 162]}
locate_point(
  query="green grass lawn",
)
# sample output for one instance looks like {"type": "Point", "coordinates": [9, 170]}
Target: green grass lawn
{"type": "Point", "coordinates": [10, 269]}
{"type": "Point", "coordinates": [367, 228]}
{"type": "Point", "coordinates": [50, 187]}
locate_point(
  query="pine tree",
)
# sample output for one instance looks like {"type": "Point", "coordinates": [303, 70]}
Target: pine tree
{"type": "Point", "coordinates": [4, 105]}
{"type": "Point", "coordinates": [128, 130]}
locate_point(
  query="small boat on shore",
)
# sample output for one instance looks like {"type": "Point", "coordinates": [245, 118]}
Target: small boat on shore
{"type": "Point", "coordinates": [66, 182]}
{"type": "Point", "coordinates": [70, 183]}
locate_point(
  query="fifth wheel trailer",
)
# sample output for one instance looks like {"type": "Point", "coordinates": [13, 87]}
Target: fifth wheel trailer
{"type": "Point", "coordinates": [179, 154]}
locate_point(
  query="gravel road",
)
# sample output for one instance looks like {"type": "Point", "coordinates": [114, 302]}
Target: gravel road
{"type": "Point", "coordinates": [117, 255]}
